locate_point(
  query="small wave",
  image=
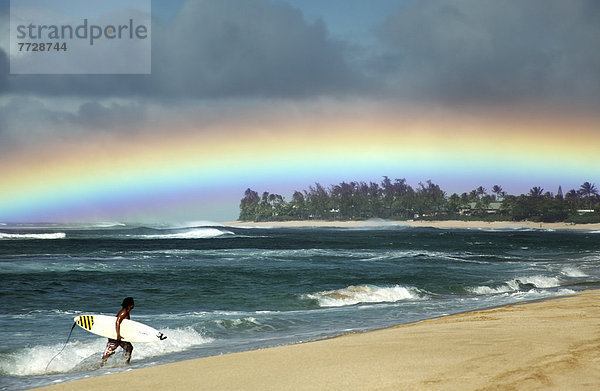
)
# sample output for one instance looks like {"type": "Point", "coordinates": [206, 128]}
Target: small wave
{"type": "Point", "coordinates": [56, 235]}
{"type": "Point", "coordinates": [572, 271]}
{"type": "Point", "coordinates": [486, 290]}
{"type": "Point", "coordinates": [535, 294]}
{"type": "Point", "coordinates": [78, 356]}
{"type": "Point", "coordinates": [365, 294]}
{"type": "Point", "coordinates": [540, 281]}
{"type": "Point", "coordinates": [248, 323]}
{"type": "Point", "coordinates": [518, 284]}
{"type": "Point", "coordinates": [108, 225]}
{"type": "Point", "coordinates": [378, 224]}
{"type": "Point", "coordinates": [199, 233]}
{"type": "Point", "coordinates": [53, 312]}
{"type": "Point", "coordinates": [196, 224]}
{"type": "Point", "coordinates": [593, 258]}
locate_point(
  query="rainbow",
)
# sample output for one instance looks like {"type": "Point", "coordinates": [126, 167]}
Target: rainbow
{"type": "Point", "coordinates": [197, 172]}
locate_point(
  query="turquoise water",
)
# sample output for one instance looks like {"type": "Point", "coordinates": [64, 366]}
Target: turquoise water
{"type": "Point", "coordinates": [215, 289]}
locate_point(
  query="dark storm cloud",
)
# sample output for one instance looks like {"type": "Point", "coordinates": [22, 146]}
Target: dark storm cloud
{"type": "Point", "coordinates": [496, 51]}
{"type": "Point", "coordinates": [25, 119]}
{"type": "Point", "coordinates": [434, 50]}
{"type": "Point", "coordinates": [225, 48]}
{"type": "Point", "coordinates": [237, 47]}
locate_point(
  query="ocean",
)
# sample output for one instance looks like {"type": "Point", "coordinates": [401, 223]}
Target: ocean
{"type": "Point", "coordinates": [214, 289]}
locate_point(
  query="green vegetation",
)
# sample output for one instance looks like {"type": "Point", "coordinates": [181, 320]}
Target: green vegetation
{"type": "Point", "coordinates": [396, 200]}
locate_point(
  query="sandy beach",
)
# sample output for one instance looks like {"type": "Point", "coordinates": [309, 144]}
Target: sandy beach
{"type": "Point", "coordinates": [548, 345]}
{"type": "Point", "coordinates": [447, 224]}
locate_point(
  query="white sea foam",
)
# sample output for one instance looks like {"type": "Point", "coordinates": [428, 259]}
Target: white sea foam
{"type": "Point", "coordinates": [56, 235]}
{"type": "Point", "coordinates": [33, 361]}
{"type": "Point", "coordinates": [83, 356]}
{"type": "Point", "coordinates": [365, 294]}
{"type": "Point", "coordinates": [177, 340]}
{"type": "Point", "coordinates": [572, 271]}
{"type": "Point", "coordinates": [198, 233]}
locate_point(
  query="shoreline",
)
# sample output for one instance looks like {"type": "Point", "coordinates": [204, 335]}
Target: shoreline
{"type": "Point", "coordinates": [548, 344]}
{"type": "Point", "coordinates": [443, 224]}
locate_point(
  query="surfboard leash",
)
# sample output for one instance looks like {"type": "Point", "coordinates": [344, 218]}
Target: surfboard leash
{"type": "Point", "coordinates": [63, 348]}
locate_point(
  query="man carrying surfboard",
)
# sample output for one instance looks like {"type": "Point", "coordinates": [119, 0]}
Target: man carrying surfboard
{"type": "Point", "coordinates": [113, 344]}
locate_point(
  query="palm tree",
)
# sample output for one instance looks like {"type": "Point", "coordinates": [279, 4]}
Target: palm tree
{"type": "Point", "coordinates": [589, 190]}
{"type": "Point", "coordinates": [497, 189]}
{"type": "Point", "coordinates": [536, 191]}
{"type": "Point", "coordinates": [473, 196]}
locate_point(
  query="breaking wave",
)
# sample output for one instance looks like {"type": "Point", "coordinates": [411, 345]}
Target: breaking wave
{"type": "Point", "coordinates": [572, 271]}
{"type": "Point", "coordinates": [85, 356]}
{"type": "Point", "coordinates": [518, 284]}
{"type": "Point", "coordinates": [352, 295]}
{"type": "Point", "coordinates": [56, 235]}
{"type": "Point", "coordinates": [196, 224]}
{"type": "Point", "coordinates": [108, 225]}
{"type": "Point", "coordinates": [197, 233]}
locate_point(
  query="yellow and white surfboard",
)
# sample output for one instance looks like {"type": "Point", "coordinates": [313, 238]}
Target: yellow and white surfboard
{"type": "Point", "coordinates": [131, 331]}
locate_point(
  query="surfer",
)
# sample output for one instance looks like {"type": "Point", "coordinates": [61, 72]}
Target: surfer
{"type": "Point", "coordinates": [113, 344]}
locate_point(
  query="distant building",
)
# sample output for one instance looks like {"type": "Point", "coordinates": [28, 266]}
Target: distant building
{"type": "Point", "coordinates": [492, 208]}
{"type": "Point", "coordinates": [584, 211]}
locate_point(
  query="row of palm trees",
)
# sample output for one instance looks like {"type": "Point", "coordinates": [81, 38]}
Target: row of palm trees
{"type": "Point", "coordinates": [398, 200]}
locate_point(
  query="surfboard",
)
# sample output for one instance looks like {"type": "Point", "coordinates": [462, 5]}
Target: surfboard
{"type": "Point", "coordinates": [131, 331]}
